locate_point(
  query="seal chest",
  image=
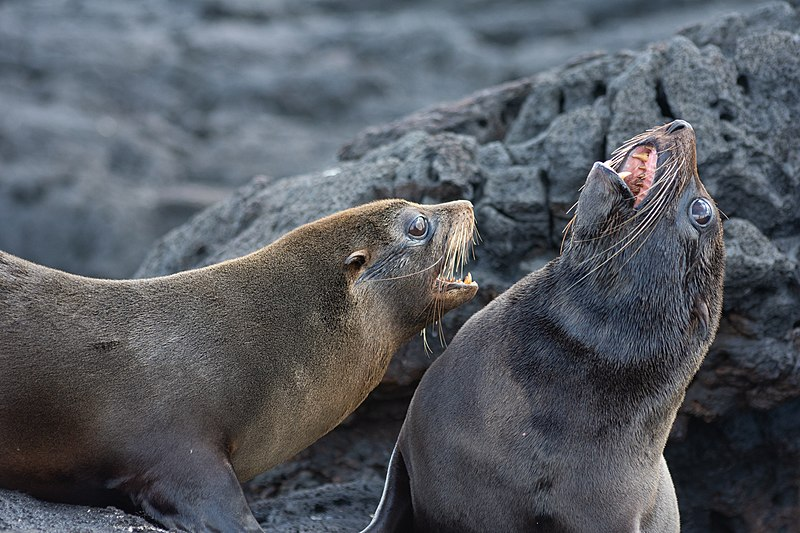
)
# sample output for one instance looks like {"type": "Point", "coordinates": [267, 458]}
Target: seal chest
{"type": "Point", "coordinates": [165, 393]}
{"type": "Point", "coordinates": [550, 409]}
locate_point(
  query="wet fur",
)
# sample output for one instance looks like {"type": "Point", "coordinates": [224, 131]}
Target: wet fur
{"type": "Point", "coordinates": [164, 393]}
{"type": "Point", "coordinates": [550, 409]}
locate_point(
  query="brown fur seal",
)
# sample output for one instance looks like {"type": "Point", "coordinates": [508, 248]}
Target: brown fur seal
{"type": "Point", "coordinates": [550, 409]}
{"type": "Point", "coordinates": [168, 391]}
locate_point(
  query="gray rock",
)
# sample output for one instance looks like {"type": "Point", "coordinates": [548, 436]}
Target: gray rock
{"type": "Point", "coordinates": [105, 107]}
{"type": "Point", "coordinates": [328, 508]}
{"type": "Point", "coordinates": [762, 283]}
{"type": "Point", "coordinates": [485, 116]}
{"type": "Point", "coordinates": [22, 514]}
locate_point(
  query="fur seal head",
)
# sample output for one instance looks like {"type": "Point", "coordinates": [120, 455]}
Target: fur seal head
{"type": "Point", "coordinates": [409, 260]}
{"type": "Point", "coordinates": [642, 217]}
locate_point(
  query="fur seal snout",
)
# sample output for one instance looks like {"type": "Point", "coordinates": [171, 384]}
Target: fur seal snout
{"type": "Point", "coordinates": [166, 392]}
{"type": "Point", "coordinates": [550, 409]}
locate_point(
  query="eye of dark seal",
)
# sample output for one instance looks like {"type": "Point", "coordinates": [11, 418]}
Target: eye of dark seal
{"type": "Point", "coordinates": [701, 212]}
{"type": "Point", "coordinates": [418, 228]}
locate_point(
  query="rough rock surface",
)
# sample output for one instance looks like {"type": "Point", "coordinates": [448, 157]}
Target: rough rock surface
{"type": "Point", "coordinates": [119, 120]}
{"type": "Point", "coordinates": [519, 152]}
{"type": "Point", "coordinates": [21, 513]}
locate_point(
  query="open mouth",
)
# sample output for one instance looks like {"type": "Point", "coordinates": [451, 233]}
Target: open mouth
{"type": "Point", "coordinates": [638, 171]}
{"type": "Point", "coordinates": [444, 284]}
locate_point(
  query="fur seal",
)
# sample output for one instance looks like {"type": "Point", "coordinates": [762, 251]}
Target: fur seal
{"type": "Point", "coordinates": [550, 409]}
{"type": "Point", "coordinates": [166, 392]}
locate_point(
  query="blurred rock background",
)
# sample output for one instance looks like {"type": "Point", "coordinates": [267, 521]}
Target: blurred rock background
{"type": "Point", "coordinates": [119, 120]}
{"type": "Point", "coordinates": [228, 90]}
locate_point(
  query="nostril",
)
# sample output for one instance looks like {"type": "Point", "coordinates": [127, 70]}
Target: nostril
{"type": "Point", "coordinates": [677, 125]}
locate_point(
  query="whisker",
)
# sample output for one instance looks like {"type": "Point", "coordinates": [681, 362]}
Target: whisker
{"type": "Point", "coordinates": [407, 275]}
{"type": "Point", "coordinates": [572, 207]}
{"type": "Point", "coordinates": [426, 347]}
{"type": "Point", "coordinates": [566, 231]}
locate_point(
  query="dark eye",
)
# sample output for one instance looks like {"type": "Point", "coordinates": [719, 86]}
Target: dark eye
{"type": "Point", "coordinates": [419, 227]}
{"type": "Point", "coordinates": [701, 212]}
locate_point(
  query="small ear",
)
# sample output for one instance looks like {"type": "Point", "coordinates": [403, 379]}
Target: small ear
{"type": "Point", "coordinates": [357, 258]}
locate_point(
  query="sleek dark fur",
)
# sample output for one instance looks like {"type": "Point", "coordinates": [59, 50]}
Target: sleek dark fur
{"type": "Point", "coordinates": [164, 393]}
{"type": "Point", "coordinates": [550, 409]}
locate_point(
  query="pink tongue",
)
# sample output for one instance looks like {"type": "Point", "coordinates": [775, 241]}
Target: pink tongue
{"type": "Point", "coordinates": [641, 172]}
{"type": "Point", "coordinates": [650, 171]}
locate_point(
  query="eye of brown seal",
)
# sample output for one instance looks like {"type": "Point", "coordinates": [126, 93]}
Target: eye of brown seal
{"type": "Point", "coordinates": [419, 228]}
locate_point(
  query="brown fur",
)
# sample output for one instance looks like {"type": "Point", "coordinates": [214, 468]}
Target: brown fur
{"type": "Point", "coordinates": [167, 390]}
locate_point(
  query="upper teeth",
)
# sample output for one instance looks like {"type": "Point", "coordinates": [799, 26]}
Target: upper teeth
{"type": "Point", "coordinates": [641, 157]}
{"type": "Point", "coordinates": [467, 279]}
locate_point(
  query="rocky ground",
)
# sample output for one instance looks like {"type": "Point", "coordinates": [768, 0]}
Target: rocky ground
{"type": "Point", "coordinates": [519, 151]}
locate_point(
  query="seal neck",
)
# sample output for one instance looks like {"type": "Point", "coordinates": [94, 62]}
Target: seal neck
{"type": "Point", "coordinates": [642, 325]}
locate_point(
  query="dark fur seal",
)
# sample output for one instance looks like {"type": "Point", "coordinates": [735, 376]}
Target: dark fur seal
{"type": "Point", "coordinates": [550, 409]}
{"type": "Point", "coordinates": [168, 391]}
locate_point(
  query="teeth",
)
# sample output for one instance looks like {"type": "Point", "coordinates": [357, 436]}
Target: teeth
{"type": "Point", "coordinates": [641, 157]}
{"type": "Point", "coordinates": [468, 279]}
{"type": "Point", "coordinates": [642, 167]}
{"type": "Point", "coordinates": [624, 175]}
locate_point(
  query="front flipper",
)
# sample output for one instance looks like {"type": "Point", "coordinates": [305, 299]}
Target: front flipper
{"type": "Point", "coordinates": [395, 513]}
{"type": "Point", "coordinates": [194, 491]}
